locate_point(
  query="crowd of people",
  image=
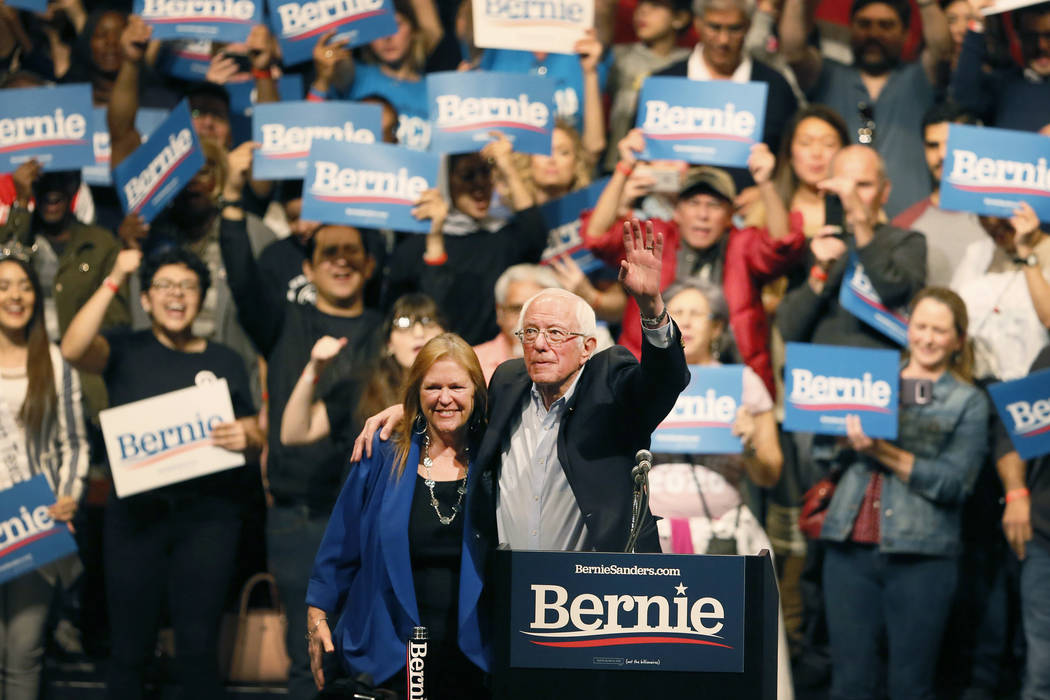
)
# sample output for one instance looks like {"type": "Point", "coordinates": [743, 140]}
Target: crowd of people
{"type": "Point", "coordinates": [406, 402]}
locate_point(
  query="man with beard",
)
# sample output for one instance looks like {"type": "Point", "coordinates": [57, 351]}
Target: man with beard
{"type": "Point", "coordinates": [881, 97]}
{"type": "Point", "coordinates": [1017, 97]}
{"type": "Point", "coordinates": [947, 232]}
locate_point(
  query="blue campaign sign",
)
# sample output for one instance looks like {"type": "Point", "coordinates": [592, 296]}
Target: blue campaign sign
{"type": "Point", "coordinates": [369, 185]}
{"type": "Point", "coordinates": [286, 130]}
{"type": "Point", "coordinates": [29, 537]}
{"type": "Point", "coordinates": [31, 5]}
{"type": "Point", "coordinates": [825, 383]}
{"type": "Point", "coordinates": [158, 169]}
{"type": "Point", "coordinates": [714, 122]}
{"type": "Point", "coordinates": [627, 612]}
{"type": "Point", "coordinates": [701, 421]}
{"type": "Point", "coordinates": [858, 296]}
{"type": "Point", "coordinates": [242, 102]}
{"type": "Point", "coordinates": [1024, 407]}
{"type": "Point", "coordinates": [217, 20]}
{"type": "Point", "coordinates": [563, 216]}
{"type": "Point", "coordinates": [297, 25]}
{"type": "Point", "coordinates": [188, 60]}
{"type": "Point", "coordinates": [466, 106]}
{"type": "Point", "coordinates": [50, 124]}
{"type": "Point", "coordinates": [989, 171]}
{"type": "Point", "coordinates": [146, 120]}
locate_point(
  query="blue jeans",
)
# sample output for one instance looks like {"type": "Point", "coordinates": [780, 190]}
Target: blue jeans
{"type": "Point", "coordinates": [293, 534]}
{"type": "Point", "coordinates": [902, 597]}
{"type": "Point", "coordinates": [1035, 607]}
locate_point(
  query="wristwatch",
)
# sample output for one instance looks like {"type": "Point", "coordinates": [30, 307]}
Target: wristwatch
{"type": "Point", "coordinates": [1030, 260]}
{"type": "Point", "coordinates": [655, 321]}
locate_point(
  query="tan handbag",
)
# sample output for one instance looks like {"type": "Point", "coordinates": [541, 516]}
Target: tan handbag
{"type": "Point", "coordinates": [253, 641]}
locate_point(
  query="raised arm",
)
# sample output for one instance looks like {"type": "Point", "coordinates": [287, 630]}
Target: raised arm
{"type": "Point", "coordinates": [593, 135]}
{"type": "Point", "coordinates": [124, 99]}
{"type": "Point", "coordinates": [305, 420]}
{"type": "Point", "coordinates": [606, 211]}
{"type": "Point", "coordinates": [72, 442]}
{"type": "Point", "coordinates": [796, 26]}
{"type": "Point", "coordinates": [82, 345]}
{"type": "Point", "coordinates": [1026, 231]}
{"type": "Point", "coordinates": [259, 308]}
{"type": "Point", "coordinates": [935, 35]}
{"type": "Point", "coordinates": [328, 56]}
{"type": "Point", "coordinates": [501, 152]}
{"type": "Point", "coordinates": [429, 23]}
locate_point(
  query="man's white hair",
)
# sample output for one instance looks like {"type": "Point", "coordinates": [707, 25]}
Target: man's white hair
{"type": "Point", "coordinates": [539, 275]}
{"type": "Point", "coordinates": [583, 314]}
{"type": "Point", "coordinates": [701, 7]}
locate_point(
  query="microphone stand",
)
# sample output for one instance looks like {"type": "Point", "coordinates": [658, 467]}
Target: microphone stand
{"type": "Point", "coordinates": [640, 498]}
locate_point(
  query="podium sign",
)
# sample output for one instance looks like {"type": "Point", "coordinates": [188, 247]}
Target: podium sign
{"type": "Point", "coordinates": [622, 611]}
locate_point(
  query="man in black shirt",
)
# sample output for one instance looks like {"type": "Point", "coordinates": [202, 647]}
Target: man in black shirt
{"type": "Point", "coordinates": [1026, 524]}
{"type": "Point", "coordinates": [304, 481]}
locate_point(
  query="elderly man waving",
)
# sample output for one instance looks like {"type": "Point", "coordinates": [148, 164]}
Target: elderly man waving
{"type": "Point", "coordinates": [565, 422]}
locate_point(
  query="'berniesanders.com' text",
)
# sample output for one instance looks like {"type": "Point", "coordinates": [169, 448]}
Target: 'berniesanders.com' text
{"type": "Point", "coordinates": [612, 569]}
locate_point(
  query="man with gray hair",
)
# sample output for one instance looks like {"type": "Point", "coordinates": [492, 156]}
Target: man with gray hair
{"type": "Point", "coordinates": [722, 26]}
{"type": "Point", "coordinates": [565, 422]}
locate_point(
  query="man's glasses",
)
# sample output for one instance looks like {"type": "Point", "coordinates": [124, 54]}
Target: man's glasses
{"type": "Point", "coordinates": [554, 336]}
{"type": "Point", "coordinates": [187, 286]}
{"type": "Point", "coordinates": [866, 131]}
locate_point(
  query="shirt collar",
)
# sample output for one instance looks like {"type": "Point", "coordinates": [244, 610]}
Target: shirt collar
{"type": "Point", "coordinates": [561, 402]}
{"type": "Point", "coordinates": [696, 69]}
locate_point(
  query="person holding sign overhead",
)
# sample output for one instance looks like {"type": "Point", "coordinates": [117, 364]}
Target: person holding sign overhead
{"type": "Point", "coordinates": [41, 431]}
{"type": "Point", "coordinates": [893, 524]}
{"type": "Point", "coordinates": [175, 541]}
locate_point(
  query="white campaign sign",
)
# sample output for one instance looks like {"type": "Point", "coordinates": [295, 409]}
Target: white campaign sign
{"type": "Point", "coordinates": [553, 26]}
{"type": "Point", "coordinates": [167, 439]}
{"type": "Point", "coordinates": [1007, 5]}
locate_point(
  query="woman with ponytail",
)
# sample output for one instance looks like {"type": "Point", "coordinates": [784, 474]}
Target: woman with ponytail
{"type": "Point", "coordinates": [892, 527]}
{"type": "Point", "coordinates": [41, 432]}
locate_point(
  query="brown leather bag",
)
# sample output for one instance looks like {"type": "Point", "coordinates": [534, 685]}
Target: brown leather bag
{"type": "Point", "coordinates": [815, 504]}
{"type": "Point", "coordinates": [253, 641]}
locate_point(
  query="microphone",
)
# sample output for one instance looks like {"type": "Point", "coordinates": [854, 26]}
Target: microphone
{"type": "Point", "coordinates": [643, 463]}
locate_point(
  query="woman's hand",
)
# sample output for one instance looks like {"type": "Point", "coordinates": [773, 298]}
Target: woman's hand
{"type": "Point", "coordinates": [127, 262]}
{"type": "Point", "coordinates": [221, 69]}
{"type": "Point", "coordinates": [761, 163]}
{"type": "Point", "coordinates": [1025, 223]}
{"type": "Point", "coordinates": [744, 428]}
{"type": "Point", "coordinates": [572, 277]}
{"type": "Point", "coordinates": [499, 151]}
{"type": "Point", "coordinates": [827, 247]}
{"type": "Point", "coordinates": [630, 146]}
{"type": "Point", "coordinates": [855, 434]}
{"type": "Point", "coordinates": [590, 51]}
{"type": "Point", "coordinates": [431, 205]}
{"type": "Point", "coordinates": [230, 436]}
{"type": "Point", "coordinates": [24, 176]}
{"type": "Point", "coordinates": [327, 55]}
{"type": "Point", "coordinates": [319, 640]}
{"type": "Point", "coordinates": [239, 164]}
{"type": "Point", "coordinates": [261, 47]}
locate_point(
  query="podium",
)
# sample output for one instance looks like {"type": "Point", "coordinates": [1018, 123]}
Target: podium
{"type": "Point", "coordinates": [610, 626]}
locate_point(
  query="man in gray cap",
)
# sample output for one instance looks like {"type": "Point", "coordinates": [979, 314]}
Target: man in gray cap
{"type": "Point", "coordinates": [701, 242]}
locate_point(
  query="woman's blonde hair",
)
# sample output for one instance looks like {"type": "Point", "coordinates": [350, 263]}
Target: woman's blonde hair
{"type": "Point", "coordinates": [961, 362]}
{"type": "Point", "coordinates": [582, 161]}
{"type": "Point", "coordinates": [447, 346]}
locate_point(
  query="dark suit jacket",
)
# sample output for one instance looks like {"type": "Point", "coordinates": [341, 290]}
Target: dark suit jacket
{"type": "Point", "coordinates": [617, 404]}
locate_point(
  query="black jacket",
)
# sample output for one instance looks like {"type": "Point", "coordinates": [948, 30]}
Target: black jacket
{"type": "Point", "coordinates": [617, 404]}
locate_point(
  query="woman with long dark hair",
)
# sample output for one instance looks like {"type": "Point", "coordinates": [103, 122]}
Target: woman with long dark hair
{"type": "Point", "coordinates": [41, 432]}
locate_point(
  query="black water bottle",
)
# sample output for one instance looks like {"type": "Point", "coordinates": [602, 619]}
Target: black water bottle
{"type": "Point", "coordinates": [416, 663]}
